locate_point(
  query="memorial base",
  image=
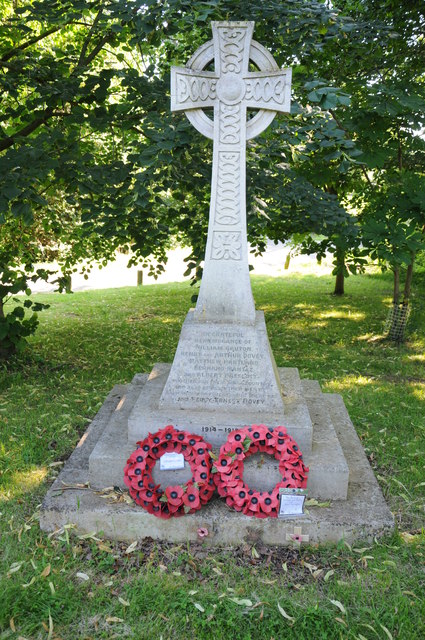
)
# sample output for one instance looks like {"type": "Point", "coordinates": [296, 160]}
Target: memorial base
{"type": "Point", "coordinates": [98, 460]}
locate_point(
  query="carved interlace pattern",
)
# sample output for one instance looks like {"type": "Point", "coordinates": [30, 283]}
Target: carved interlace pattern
{"type": "Point", "coordinates": [226, 245]}
{"type": "Point", "coordinates": [195, 88]}
{"type": "Point", "coordinates": [228, 188]}
{"type": "Point", "coordinates": [232, 44]}
{"type": "Point", "coordinates": [265, 90]}
{"type": "Point", "coordinates": [230, 123]}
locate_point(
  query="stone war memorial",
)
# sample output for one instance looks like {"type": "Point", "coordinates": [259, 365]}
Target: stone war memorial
{"type": "Point", "coordinates": [223, 381]}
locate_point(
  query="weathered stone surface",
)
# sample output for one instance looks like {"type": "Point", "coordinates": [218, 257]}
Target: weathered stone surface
{"type": "Point", "coordinates": [215, 423]}
{"type": "Point", "coordinates": [363, 515]}
{"type": "Point", "coordinates": [223, 366]}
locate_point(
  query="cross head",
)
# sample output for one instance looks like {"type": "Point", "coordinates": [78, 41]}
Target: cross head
{"type": "Point", "coordinates": [232, 88]}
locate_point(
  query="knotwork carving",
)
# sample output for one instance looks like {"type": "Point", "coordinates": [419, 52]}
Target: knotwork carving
{"type": "Point", "coordinates": [231, 49]}
{"type": "Point", "coordinates": [195, 88]}
{"type": "Point", "coordinates": [265, 90]}
{"type": "Point", "coordinates": [228, 189]}
{"type": "Point", "coordinates": [230, 123]}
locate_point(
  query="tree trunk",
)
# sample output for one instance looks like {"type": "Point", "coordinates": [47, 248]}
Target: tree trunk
{"type": "Point", "coordinates": [396, 293]}
{"type": "Point", "coordinates": [340, 276]}
{"type": "Point", "coordinates": [399, 313]}
{"type": "Point", "coordinates": [408, 284]}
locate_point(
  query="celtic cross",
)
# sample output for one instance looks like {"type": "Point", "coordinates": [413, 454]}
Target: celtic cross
{"type": "Point", "coordinates": [225, 294]}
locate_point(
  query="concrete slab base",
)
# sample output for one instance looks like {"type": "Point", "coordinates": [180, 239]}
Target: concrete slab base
{"type": "Point", "coordinates": [73, 498]}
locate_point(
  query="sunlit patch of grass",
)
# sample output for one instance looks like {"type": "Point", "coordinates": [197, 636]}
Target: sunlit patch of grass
{"type": "Point", "coordinates": [22, 482]}
{"type": "Point", "coordinates": [349, 382]}
{"type": "Point", "coordinates": [419, 391]}
{"type": "Point", "coordinates": [417, 357]}
{"type": "Point", "coordinates": [343, 315]}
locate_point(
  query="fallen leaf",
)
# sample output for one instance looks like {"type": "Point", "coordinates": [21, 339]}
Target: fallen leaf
{"type": "Point", "coordinates": [131, 548]}
{"type": "Point", "coordinates": [114, 619]}
{"type": "Point", "coordinates": [340, 606]}
{"type": "Point", "coordinates": [328, 574]}
{"type": "Point", "coordinates": [82, 576]}
{"type": "Point", "coordinates": [199, 607]}
{"type": "Point", "coordinates": [28, 584]}
{"type": "Point", "coordinates": [386, 631]}
{"type": "Point", "coordinates": [49, 637]}
{"type": "Point", "coordinates": [284, 614]}
{"type": "Point", "coordinates": [410, 593]}
{"type": "Point", "coordinates": [46, 571]}
{"type": "Point", "coordinates": [369, 626]}
{"type": "Point", "coordinates": [254, 553]}
{"type": "Point", "coordinates": [12, 625]}
{"type": "Point", "coordinates": [124, 603]}
{"type": "Point", "coordinates": [341, 621]}
{"type": "Point", "coordinates": [242, 602]}
{"type": "Point", "coordinates": [14, 568]}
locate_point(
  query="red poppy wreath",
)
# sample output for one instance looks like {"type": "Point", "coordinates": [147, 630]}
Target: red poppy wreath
{"type": "Point", "coordinates": [175, 500]}
{"type": "Point", "coordinates": [228, 469]}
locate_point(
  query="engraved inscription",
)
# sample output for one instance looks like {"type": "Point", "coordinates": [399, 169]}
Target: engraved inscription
{"type": "Point", "coordinates": [194, 89]}
{"type": "Point", "coordinates": [222, 371]}
{"type": "Point", "coordinates": [228, 189]}
{"type": "Point", "coordinates": [266, 90]}
{"type": "Point", "coordinates": [232, 43]}
{"type": "Point", "coordinates": [226, 245]}
{"type": "Point", "coordinates": [230, 123]}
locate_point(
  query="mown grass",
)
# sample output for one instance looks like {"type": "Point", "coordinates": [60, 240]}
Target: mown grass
{"type": "Point", "coordinates": [90, 341]}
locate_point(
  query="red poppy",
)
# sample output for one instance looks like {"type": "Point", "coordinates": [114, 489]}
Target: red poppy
{"type": "Point", "coordinates": [236, 437]}
{"type": "Point", "coordinates": [268, 503]}
{"type": "Point", "coordinates": [147, 494]}
{"type": "Point", "coordinates": [223, 462]}
{"type": "Point", "coordinates": [240, 494]}
{"type": "Point", "coordinates": [174, 495]}
{"type": "Point", "coordinates": [191, 498]}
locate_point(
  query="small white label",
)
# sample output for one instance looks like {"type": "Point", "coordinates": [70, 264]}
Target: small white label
{"type": "Point", "coordinates": [291, 502]}
{"type": "Point", "coordinates": [171, 461]}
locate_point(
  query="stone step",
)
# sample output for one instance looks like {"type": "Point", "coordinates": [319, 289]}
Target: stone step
{"type": "Point", "coordinates": [328, 476]}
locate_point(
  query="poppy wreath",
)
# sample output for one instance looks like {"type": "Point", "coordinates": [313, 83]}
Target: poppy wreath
{"type": "Point", "coordinates": [229, 466]}
{"type": "Point", "coordinates": [175, 500]}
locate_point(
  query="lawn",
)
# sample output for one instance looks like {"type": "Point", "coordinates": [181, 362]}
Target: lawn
{"type": "Point", "coordinates": [65, 586]}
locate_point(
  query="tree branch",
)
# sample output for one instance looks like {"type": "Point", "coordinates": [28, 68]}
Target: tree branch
{"type": "Point", "coordinates": [14, 52]}
{"type": "Point", "coordinates": [81, 60]}
{"type": "Point", "coordinates": [25, 131]}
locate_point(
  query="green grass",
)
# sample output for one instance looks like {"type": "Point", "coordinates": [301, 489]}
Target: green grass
{"type": "Point", "coordinates": [89, 341]}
